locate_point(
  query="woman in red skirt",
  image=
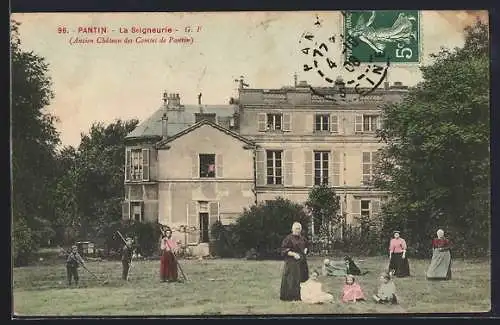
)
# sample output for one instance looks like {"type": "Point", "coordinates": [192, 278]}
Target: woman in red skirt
{"type": "Point", "coordinates": [168, 266]}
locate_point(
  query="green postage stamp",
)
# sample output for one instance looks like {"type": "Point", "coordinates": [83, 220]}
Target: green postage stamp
{"type": "Point", "coordinates": [384, 34]}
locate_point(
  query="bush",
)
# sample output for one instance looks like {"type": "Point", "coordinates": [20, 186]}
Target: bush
{"type": "Point", "coordinates": [263, 227]}
{"type": "Point", "coordinates": [223, 240]}
{"type": "Point", "coordinates": [146, 236]}
{"type": "Point", "coordinates": [23, 244]}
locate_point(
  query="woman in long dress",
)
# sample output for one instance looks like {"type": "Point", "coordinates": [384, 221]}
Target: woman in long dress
{"type": "Point", "coordinates": [168, 262]}
{"type": "Point", "coordinates": [440, 267]}
{"type": "Point", "coordinates": [294, 249]}
{"type": "Point", "coordinates": [398, 261]}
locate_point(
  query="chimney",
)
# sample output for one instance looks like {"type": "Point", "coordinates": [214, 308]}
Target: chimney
{"type": "Point", "coordinates": [173, 101]}
{"type": "Point", "coordinates": [199, 99]}
{"type": "Point", "coordinates": [164, 126]}
{"type": "Point", "coordinates": [165, 99]}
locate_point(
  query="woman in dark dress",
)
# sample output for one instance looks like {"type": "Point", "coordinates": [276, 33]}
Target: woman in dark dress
{"type": "Point", "coordinates": [398, 261]}
{"type": "Point", "coordinates": [294, 249]}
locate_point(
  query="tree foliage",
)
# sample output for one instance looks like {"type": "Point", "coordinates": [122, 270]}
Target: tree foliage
{"type": "Point", "coordinates": [437, 163]}
{"type": "Point", "coordinates": [264, 226]}
{"type": "Point", "coordinates": [323, 204]}
{"type": "Point", "coordinates": [91, 189]}
{"type": "Point", "coordinates": [34, 140]}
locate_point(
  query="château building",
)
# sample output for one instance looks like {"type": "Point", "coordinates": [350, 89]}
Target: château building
{"type": "Point", "coordinates": [190, 165]}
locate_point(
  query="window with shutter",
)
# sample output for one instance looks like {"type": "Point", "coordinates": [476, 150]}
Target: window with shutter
{"type": "Point", "coordinates": [128, 164]}
{"type": "Point", "coordinates": [288, 167]}
{"type": "Point", "coordinates": [193, 223]}
{"type": "Point", "coordinates": [287, 122]}
{"type": "Point", "coordinates": [126, 210]}
{"type": "Point", "coordinates": [335, 169]}
{"type": "Point", "coordinates": [218, 170]}
{"type": "Point", "coordinates": [321, 122]}
{"type": "Point", "coordinates": [308, 167]}
{"type": "Point", "coordinates": [145, 164]}
{"type": "Point", "coordinates": [358, 123]}
{"type": "Point", "coordinates": [260, 162]}
{"type": "Point", "coordinates": [367, 168]}
{"type": "Point", "coordinates": [334, 127]}
{"type": "Point", "coordinates": [274, 164]}
{"type": "Point", "coordinates": [261, 122]}
{"type": "Point", "coordinates": [321, 167]}
{"type": "Point", "coordinates": [214, 212]}
{"type": "Point", "coordinates": [355, 210]}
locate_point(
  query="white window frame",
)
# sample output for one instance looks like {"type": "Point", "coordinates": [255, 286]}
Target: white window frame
{"type": "Point", "coordinates": [370, 164]}
{"type": "Point", "coordinates": [373, 122]}
{"type": "Point", "coordinates": [322, 172]}
{"type": "Point", "coordinates": [274, 167]}
{"type": "Point", "coordinates": [322, 122]}
{"type": "Point", "coordinates": [136, 168]}
{"type": "Point", "coordinates": [272, 119]}
{"type": "Point", "coordinates": [200, 166]}
{"type": "Point", "coordinates": [368, 210]}
{"type": "Point", "coordinates": [133, 204]}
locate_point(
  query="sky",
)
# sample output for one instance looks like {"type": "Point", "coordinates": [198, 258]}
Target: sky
{"type": "Point", "coordinates": [96, 82]}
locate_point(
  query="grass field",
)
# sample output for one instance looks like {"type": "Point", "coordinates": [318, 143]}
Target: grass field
{"type": "Point", "coordinates": [232, 286]}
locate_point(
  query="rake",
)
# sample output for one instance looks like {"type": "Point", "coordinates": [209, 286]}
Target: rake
{"type": "Point", "coordinates": [95, 276]}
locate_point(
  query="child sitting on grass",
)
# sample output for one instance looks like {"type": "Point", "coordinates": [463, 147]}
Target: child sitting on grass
{"type": "Point", "coordinates": [352, 290]}
{"type": "Point", "coordinates": [387, 290]}
{"type": "Point", "coordinates": [311, 291]}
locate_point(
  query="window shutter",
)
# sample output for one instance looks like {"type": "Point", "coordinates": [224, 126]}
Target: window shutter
{"type": "Point", "coordinates": [126, 210]}
{"type": "Point", "coordinates": [358, 123]}
{"type": "Point", "coordinates": [260, 161]}
{"type": "Point", "coordinates": [219, 168]}
{"type": "Point", "coordinates": [335, 168]}
{"type": "Point", "coordinates": [145, 164]}
{"type": "Point", "coordinates": [213, 212]}
{"type": "Point", "coordinates": [334, 123]}
{"type": "Point", "coordinates": [308, 167]}
{"type": "Point", "coordinates": [379, 122]}
{"type": "Point", "coordinates": [355, 209]}
{"type": "Point", "coordinates": [195, 172]}
{"type": "Point", "coordinates": [128, 163]}
{"type": "Point", "coordinates": [375, 205]}
{"type": "Point", "coordinates": [288, 168]}
{"type": "Point", "coordinates": [194, 221]}
{"type": "Point", "coordinates": [261, 122]}
{"type": "Point", "coordinates": [287, 122]}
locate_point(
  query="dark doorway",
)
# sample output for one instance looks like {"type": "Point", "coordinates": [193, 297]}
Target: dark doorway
{"type": "Point", "coordinates": [204, 227]}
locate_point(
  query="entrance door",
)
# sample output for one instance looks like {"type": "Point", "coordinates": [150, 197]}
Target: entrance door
{"type": "Point", "coordinates": [204, 221]}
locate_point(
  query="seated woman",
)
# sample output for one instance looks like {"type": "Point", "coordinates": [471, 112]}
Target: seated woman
{"type": "Point", "coordinates": [352, 291]}
{"type": "Point", "coordinates": [387, 290]}
{"type": "Point", "coordinates": [331, 268]}
{"type": "Point", "coordinates": [352, 268]}
{"type": "Point", "coordinates": [311, 291]}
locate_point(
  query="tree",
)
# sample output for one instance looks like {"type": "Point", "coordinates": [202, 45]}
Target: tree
{"type": "Point", "coordinates": [34, 140]}
{"type": "Point", "coordinates": [264, 226]}
{"type": "Point", "coordinates": [436, 162]}
{"type": "Point", "coordinates": [323, 205]}
{"type": "Point", "coordinates": [92, 187]}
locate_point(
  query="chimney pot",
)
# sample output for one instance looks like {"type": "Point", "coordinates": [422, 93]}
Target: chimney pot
{"type": "Point", "coordinates": [164, 126]}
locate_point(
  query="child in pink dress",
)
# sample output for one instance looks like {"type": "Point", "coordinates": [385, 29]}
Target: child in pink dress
{"type": "Point", "coordinates": [352, 290]}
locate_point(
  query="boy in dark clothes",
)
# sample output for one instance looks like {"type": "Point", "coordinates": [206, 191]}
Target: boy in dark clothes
{"type": "Point", "coordinates": [73, 261]}
{"type": "Point", "coordinates": [127, 253]}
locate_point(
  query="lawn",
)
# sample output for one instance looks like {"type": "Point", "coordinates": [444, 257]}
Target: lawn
{"type": "Point", "coordinates": [233, 286]}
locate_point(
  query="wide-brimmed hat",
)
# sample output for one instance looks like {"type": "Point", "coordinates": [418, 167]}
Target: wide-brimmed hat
{"type": "Point", "coordinates": [396, 231]}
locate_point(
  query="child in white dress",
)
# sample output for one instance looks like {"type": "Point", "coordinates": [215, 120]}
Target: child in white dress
{"type": "Point", "coordinates": [311, 291]}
